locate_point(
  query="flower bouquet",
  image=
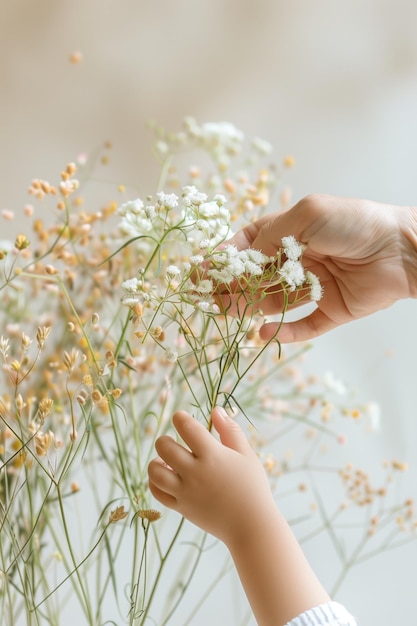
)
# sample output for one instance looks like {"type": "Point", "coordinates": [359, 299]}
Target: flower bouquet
{"type": "Point", "coordinates": [112, 319]}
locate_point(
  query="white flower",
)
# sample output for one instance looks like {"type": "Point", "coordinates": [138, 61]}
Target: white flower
{"type": "Point", "coordinates": [373, 410]}
{"type": "Point", "coordinates": [236, 266]}
{"type": "Point", "coordinates": [221, 276]}
{"type": "Point", "coordinates": [293, 273]}
{"type": "Point", "coordinates": [131, 285]}
{"type": "Point", "coordinates": [262, 146]}
{"type": "Point", "coordinates": [205, 286]}
{"type": "Point", "coordinates": [162, 147]}
{"type": "Point", "coordinates": [197, 259]}
{"type": "Point", "coordinates": [192, 196]}
{"type": "Point", "coordinates": [131, 300]}
{"type": "Point", "coordinates": [316, 290]}
{"type": "Point", "coordinates": [173, 270]}
{"type": "Point", "coordinates": [253, 269]}
{"type": "Point", "coordinates": [220, 199]}
{"type": "Point", "coordinates": [134, 224]}
{"type": "Point", "coordinates": [150, 212]}
{"type": "Point", "coordinates": [231, 250]}
{"type": "Point", "coordinates": [204, 306]}
{"type": "Point", "coordinates": [133, 206]}
{"type": "Point", "coordinates": [171, 356]}
{"type": "Point", "coordinates": [257, 256]}
{"type": "Point", "coordinates": [293, 250]}
{"type": "Point", "coordinates": [222, 134]}
{"type": "Point", "coordinates": [167, 200]}
{"type": "Point", "coordinates": [334, 384]}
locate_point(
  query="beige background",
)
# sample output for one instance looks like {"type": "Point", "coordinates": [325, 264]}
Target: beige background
{"type": "Point", "coordinates": [333, 83]}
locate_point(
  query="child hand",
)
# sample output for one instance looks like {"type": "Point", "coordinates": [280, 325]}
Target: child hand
{"type": "Point", "coordinates": [220, 486]}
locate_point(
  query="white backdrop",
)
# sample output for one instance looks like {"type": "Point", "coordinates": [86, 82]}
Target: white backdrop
{"type": "Point", "coordinates": [333, 83]}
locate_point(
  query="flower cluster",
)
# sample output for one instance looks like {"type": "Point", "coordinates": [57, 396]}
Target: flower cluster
{"type": "Point", "coordinates": [114, 317]}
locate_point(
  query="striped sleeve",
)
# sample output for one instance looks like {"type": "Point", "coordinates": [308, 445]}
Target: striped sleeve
{"type": "Point", "coordinates": [329, 614]}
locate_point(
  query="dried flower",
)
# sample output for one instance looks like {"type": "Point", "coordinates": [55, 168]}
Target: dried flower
{"type": "Point", "coordinates": [152, 515]}
{"type": "Point", "coordinates": [118, 514]}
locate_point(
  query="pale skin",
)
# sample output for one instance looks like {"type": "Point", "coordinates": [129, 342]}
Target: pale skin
{"type": "Point", "coordinates": [365, 254]}
{"type": "Point", "coordinates": [221, 486]}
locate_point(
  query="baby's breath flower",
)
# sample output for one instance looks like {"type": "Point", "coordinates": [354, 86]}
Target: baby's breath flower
{"type": "Point", "coordinates": [167, 200]}
{"type": "Point", "coordinates": [133, 206]}
{"type": "Point", "coordinates": [316, 290]}
{"type": "Point", "coordinates": [67, 187]}
{"type": "Point", "coordinates": [373, 410]}
{"type": "Point", "coordinates": [262, 146]}
{"type": "Point", "coordinates": [132, 285]}
{"type": "Point", "coordinates": [293, 274]}
{"type": "Point", "coordinates": [205, 286]}
{"type": "Point", "coordinates": [196, 259]}
{"type": "Point", "coordinates": [191, 196]}
{"type": "Point", "coordinates": [171, 356]}
{"type": "Point", "coordinates": [292, 249]}
{"type": "Point", "coordinates": [173, 270]}
{"type": "Point", "coordinates": [334, 384]}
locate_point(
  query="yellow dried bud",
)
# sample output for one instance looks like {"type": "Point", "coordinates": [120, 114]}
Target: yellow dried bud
{"type": "Point", "coordinates": [96, 396]}
{"type": "Point", "coordinates": [152, 515]}
{"type": "Point", "coordinates": [42, 334]}
{"type": "Point", "coordinates": [71, 169]}
{"type": "Point", "coordinates": [45, 406]}
{"type": "Point", "coordinates": [75, 57]}
{"type": "Point", "coordinates": [70, 358]}
{"type": "Point", "coordinates": [289, 161]}
{"type": "Point", "coordinates": [88, 380]}
{"type": "Point", "coordinates": [20, 403]}
{"type": "Point", "coordinates": [401, 467]}
{"type": "Point", "coordinates": [21, 242]}
{"type": "Point", "coordinates": [158, 332]}
{"type": "Point", "coordinates": [43, 442]}
{"type": "Point", "coordinates": [117, 515]}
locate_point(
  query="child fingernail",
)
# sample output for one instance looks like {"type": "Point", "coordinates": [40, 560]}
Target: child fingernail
{"type": "Point", "coordinates": [222, 412]}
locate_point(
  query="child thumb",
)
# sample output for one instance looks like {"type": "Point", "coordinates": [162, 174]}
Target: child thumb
{"type": "Point", "coordinates": [231, 434]}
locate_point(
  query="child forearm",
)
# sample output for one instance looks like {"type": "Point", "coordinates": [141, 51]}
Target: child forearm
{"type": "Point", "coordinates": [274, 572]}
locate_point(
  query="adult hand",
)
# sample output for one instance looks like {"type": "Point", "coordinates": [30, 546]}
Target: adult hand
{"type": "Point", "coordinates": [364, 253]}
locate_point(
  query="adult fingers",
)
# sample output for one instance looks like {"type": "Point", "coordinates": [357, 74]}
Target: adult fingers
{"type": "Point", "coordinates": [304, 329]}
